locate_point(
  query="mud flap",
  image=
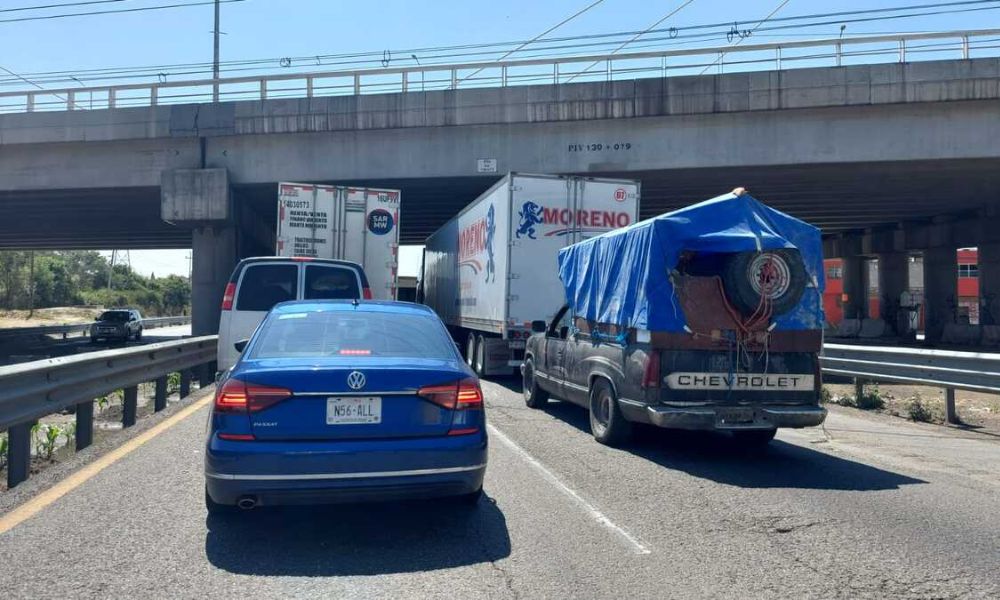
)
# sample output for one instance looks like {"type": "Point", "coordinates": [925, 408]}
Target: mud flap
{"type": "Point", "coordinates": [498, 355]}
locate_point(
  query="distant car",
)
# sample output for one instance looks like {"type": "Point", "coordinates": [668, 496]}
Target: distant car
{"type": "Point", "coordinates": [118, 324]}
{"type": "Point", "coordinates": [345, 401]}
{"type": "Point", "coordinates": [258, 283]}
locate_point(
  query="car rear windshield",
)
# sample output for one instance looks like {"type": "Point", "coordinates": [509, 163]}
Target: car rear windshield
{"type": "Point", "coordinates": [263, 286]}
{"type": "Point", "coordinates": [114, 315]}
{"type": "Point", "coordinates": [330, 283]}
{"type": "Point", "coordinates": [352, 333]}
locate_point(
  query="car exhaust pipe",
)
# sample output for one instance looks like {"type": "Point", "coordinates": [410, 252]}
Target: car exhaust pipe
{"type": "Point", "coordinates": [246, 502]}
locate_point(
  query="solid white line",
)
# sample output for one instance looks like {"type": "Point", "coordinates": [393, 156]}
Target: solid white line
{"type": "Point", "coordinates": [595, 514]}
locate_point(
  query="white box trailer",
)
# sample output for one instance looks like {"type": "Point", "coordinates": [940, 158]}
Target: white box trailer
{"type": "Point", "coordinates": [492, 270]}
{"type": "Point", "coordinates": [347, 223]}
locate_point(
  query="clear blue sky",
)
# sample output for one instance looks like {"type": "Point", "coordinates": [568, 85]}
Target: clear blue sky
{"type": "Point", "coordinates": [275, 28]}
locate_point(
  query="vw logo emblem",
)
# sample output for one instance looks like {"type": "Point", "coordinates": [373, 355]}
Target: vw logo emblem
{"type": "Point", "coordinates": [356, 380]}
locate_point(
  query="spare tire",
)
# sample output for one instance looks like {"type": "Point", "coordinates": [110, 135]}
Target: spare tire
{"type": "Point", "coordinates": [778, 274]}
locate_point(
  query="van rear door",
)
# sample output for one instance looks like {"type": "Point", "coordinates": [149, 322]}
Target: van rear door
{"type": "Point", "coordinates": [260, 287]}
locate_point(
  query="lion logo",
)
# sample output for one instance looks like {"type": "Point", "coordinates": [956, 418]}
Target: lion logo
{"type": "Point", "coordinates": [531, 215]}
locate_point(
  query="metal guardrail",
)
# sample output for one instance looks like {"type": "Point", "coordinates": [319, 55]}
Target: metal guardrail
{"type": "Point", "coordinates": [29, 391]}
{"type": "Point", "coordinates": [84, 328]}
{"type": "Point", "coordinates": [595, 67]}
{"type": "Point", "coordinates": [951, 370]}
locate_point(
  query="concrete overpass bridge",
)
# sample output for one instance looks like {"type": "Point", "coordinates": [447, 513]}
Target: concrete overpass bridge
{"type": "Point", "coordinates": [886, 158]}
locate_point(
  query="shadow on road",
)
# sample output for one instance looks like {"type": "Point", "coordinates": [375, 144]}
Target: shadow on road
{"type": "Point", "coordinates": [716, 456]}
{"type": "Point", "coordinates": [356, 539]}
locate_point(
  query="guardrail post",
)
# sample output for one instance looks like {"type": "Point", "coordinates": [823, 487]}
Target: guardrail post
{"type": "Point", "coordinates": [859, 389]}
{"type": "Point", "coordinates": [160, 399]}
{"type": "Point", "coordinates": [130, 405]}
{"type": "Point", "coordinates": [309, 87]}
{"type": "Point", "coordinates": [454, 79]}
{"type": "Point", "coordinates": [84, 424]}
{"type": "Point", "coordinates": [902, 51]}
{"type": "Point", "coordinates": [205, 377]}
{"type": "Point", "coordinates": [185, 383]}
{"type": "Point", "coordinates": [112, 100]}
{"type": "Point", "coordinates": [357, 84]}
{"type": "Point", "coordinates": [840, 53]}
{"type": "Point", "coordinates": [965, 47]}
{"type": "Point", "coordinates": [950, 413]}
{"type": "Point", "coordinates": [777, 58]}
{"type": "Point", "coordinates": [71, 101]}
{"type": "Point", "coordinates": [263, 89]}
{"type": "Point", "coordinates": [18, 453]}
{"type": "Point", "coordinates": [31, 103]}
{"type": "Point", "coordinates": [154, 95]}
{"type": "Point", "coordinates": [503, 76]}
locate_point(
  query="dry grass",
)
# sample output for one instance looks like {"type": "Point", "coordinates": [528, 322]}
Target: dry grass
{"type": "Point", "coordinates": [974, 408]}
{"type": "Point", "coordinates": [60, 315]}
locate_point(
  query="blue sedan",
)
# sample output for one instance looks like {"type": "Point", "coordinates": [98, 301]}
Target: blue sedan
{"type": "Point", "coordinates": [346, 401]}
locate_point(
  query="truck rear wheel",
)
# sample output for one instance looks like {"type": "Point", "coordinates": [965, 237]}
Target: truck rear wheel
{"type": "Point", "coordinates": [534, 396]}
{"type": "Point", "coordinates": [470, 350]}
{"type": "Point", "coordinates": [607, 422]}
{"type": "Point", "coordinates": [480, 366]}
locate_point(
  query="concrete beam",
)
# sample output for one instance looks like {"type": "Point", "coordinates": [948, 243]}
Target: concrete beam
{"type": "Point", "coordinates": [195, 197]}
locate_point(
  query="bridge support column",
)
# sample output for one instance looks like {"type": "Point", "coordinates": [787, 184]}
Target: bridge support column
{"type": "Point", "coordinates": [940, 291]}
{"type": "Point", "coordinates": [213, 251]}
{"type": "Point", "coordinates": [893, 280]}
{"type": "Point", "coordinates": [989, 284]}
{"type": "Point", "coordinates": [855, 287]}
{"type": "Point", "coordinates": [202, 199]}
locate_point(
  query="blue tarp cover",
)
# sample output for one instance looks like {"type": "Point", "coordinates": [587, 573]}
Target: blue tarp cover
{"type": "Point", "coordinates": [623, 277]}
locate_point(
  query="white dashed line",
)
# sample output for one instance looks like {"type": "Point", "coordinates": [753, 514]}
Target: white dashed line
{"type": "Point", "coordinates": [590, 509]}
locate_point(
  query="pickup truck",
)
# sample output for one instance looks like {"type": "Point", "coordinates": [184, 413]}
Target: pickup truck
{"type": "Point", "coordinates": [622, 381]}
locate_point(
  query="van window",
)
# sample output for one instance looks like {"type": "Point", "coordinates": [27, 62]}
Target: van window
{"type": "Point", "coordinates": [330, 283]}
{"type": "Point", "coordinates": [263, 286]}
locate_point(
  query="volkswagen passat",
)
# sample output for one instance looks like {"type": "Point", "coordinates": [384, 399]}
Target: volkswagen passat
{"type": "Point", "coordinates": [345, 401]}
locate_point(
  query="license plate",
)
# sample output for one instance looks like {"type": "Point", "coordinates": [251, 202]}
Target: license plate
{"type": "Point", "coordinates": [517, 345]}
{"type": "Point", "coordinates": [354, 410]}
{"type": "Point", "coordinates": [733, 416]}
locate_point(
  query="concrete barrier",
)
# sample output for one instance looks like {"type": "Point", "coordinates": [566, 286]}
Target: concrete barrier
{"type": "Point", "coordinates": [873, 328]}
{"type": "Point", "coordinates": [962, 334]}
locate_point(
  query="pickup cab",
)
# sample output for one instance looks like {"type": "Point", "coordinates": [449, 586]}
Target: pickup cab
{"type": "Point", "coordinates": [624, 379]}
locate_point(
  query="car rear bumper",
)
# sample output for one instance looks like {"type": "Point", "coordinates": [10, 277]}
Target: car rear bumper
{"type": "Point", "coordinates": [712, 417]}
{"type": "Point", "coordinates": [344, 471]}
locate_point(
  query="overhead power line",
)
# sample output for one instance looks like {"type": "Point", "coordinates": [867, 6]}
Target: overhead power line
{"type": "Point", "coordinates": [65, 5]}
{"type": "Point", "coordinates": [742, 37]}
{"type": "Point", "coordinates": [635, 37]}
{"type": "Point", "coordinates": [555, 46]}
{"type": "Point", "coordinates": [544, 33]}
{"type": "Point", "coordinates": [112, 12]}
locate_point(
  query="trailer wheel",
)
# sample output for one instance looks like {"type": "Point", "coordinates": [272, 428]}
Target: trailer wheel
{"type": "Point", "coordinates": [480, 366]}
{"type": "Point", "coordinates": [779, 275]}
{"type": "Point", "coordinates": [470, 350]}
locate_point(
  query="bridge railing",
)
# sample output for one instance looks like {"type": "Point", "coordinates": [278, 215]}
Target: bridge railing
{"type": "Point", "coordinates": [83, 328]}
{"type": "Point", "coordinates": [901, 48]}
{"type": "Point", "coordinates": [29, 391]}
{"type": "Point", "coordinates": [951, 370]}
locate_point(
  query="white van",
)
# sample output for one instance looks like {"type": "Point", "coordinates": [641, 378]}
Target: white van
{"type": "Point", "coordinates": [258, 283]}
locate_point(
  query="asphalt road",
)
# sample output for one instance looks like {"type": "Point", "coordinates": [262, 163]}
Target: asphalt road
{"type": "Point", "coordinates": [22, 350]}
{"type": "Point", "coordinates": [870, 507]}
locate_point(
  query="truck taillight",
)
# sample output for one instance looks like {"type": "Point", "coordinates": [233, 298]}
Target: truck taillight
{"type": "Point", "coordinates": [651, 376]}
{"type": "Point", "coordinates": [367, 293]}
{"type": "Point", "coordinates": [239, 396]}
{"type": "Point", "coordinates": [228, 296]}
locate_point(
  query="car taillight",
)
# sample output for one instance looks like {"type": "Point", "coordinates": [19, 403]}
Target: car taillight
{"type": "Point", "coordinates": [460, 395]}
{"type": "Point", "coordinates": [228, 295]}
{"type": "Point", "coordinates": [367, 293]}
{"type": "Point", "coordinates": [651, 377]}
{"type": "Point", "coordinates": [239, 396]}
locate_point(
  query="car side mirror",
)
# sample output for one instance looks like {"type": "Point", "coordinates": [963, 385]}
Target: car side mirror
{"type": "Point", "coordinates": [539, 326]}
{"type": "Point", "coordinates": [241, 345]}
{"type": "Point", "coordinates": [96, 319]}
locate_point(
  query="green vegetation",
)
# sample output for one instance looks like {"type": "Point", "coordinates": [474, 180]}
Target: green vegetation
{"type": "Point", "coordinates": [72, 278]}
{"type": "Point", "coordinates": [871, 399]}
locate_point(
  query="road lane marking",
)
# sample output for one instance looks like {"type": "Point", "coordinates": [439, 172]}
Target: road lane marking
{"type": "Point", "coordinates": [78, 478]}
{"type": "Point", "coordinates": [552, 478]}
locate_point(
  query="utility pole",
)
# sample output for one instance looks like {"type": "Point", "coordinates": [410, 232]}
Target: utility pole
{"type": "Point", "coordinates": [31, 286]}
{"type": "Point", "coordinates": [215, 61]}
{"type": "Point", "coordinates": [111, 268]}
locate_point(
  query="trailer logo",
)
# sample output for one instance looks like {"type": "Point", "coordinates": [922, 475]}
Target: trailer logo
{"type": "Point", "coordinates": [531, 215]}
{"type": "Point", "coordinates": [380, 221]}
{"type": "Point", "coordinates": [620, 195]}
{"type": "Point", "coordinates": [475, 239]}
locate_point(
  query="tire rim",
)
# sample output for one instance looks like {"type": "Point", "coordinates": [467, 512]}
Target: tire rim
{"type": "Point", "coordinates": [470, 352]}
{"type": "Point", "coordinates": [528, 381]}
{"type": "Point", "coordinates": [602, 410]}
{"type": "Point", "coordinates": [769, 275]}
{"type": "Point", "coordinates": [481, 355]}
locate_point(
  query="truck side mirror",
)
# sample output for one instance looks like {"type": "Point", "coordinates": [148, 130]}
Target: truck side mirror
{"type": "Point", "coordinates": [539, 326]}
{"type": "Point", "coordinates": [241, 345]}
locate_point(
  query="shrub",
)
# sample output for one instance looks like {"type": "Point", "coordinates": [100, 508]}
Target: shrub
{"type": "Point", "coordinates": [3, 451]}
{"type": "Point", "coordinates": [918, 411]}
{"type": "Point", "coordinates": [871, 398]}
{"type": "Point", "coordinates": [46, 438]}
{"type": "Point", "coordinates": [825, 397]}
